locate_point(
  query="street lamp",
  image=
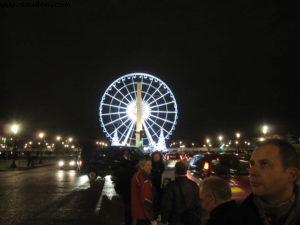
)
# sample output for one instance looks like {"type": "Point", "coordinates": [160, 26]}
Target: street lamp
{"type": "Point", "coordinates": [41, 136]}
{"type": "Point", "coordinates": [208, 143]}
{"type": "Point", "coordinates": [14, 129]}
{"type": "Point", "coordinates": [265, 129]}
{"type": "Point", "coordinates": [220, 138]}
{"type": "Point", "coordinates": [58, 138]}
{"type": "Point", "coordinates": [238, 135]}
{"type": "Point", "coordinates": [70, 139]}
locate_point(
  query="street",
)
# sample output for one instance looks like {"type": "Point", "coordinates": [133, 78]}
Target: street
{"type": "Point", "coordinates": [50, 196]}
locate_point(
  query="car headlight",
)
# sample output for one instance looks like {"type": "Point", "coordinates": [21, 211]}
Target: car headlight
{"type": "Point", "coordinates": [61, 163]}
{"type": "Point", "coordinates": [72, 163]}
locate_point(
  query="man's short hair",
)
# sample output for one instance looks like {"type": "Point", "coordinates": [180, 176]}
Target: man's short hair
{"type": "Point", "coordinates": [143, 161]}
{"type": "Point", "coordinates": [181, 168]}
{"type": "Point", "coordinates": [218, 186]}
{"type": "Point", "coordinates": [288, 153]}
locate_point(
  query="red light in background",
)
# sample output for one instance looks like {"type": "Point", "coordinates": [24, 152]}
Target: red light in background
{"type": "Point", "coordinates": [206, 166]}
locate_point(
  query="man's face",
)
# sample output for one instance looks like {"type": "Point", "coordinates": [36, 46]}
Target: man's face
{"type": "Point", "coordinates": [147, 167]}
{"type": "Point", "coordinates": [207, 199]}
{"type": "Point", "coordinates": [267, 176]}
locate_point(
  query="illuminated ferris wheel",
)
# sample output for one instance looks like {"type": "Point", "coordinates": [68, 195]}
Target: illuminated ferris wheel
{"type": "Point", "coordinates": [118, 110]}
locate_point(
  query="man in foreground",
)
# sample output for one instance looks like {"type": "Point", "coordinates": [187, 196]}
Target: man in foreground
{"type": "Point", "coordinates": [274, 167]}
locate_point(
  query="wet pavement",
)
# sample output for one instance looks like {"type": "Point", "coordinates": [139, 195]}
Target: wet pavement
{"type": "Point", "coordinates": [50, 196]}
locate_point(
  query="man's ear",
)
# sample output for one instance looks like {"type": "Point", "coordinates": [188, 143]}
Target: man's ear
{"type": "Point", "coordinates": [293, 174]}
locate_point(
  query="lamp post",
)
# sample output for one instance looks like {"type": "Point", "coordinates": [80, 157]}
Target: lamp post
{"type": "Point", "coordinates": [208, 143]}
{"type": "Point", "coordinates": [238, 135]}
{"type": "Point", "coordinates": [41, 136]}
{"type": "Point", "coordinates": [14, 129]}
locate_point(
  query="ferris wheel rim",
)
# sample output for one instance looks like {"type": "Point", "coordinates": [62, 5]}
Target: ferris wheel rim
{"type": "Point", "coordinates": [132, 76]}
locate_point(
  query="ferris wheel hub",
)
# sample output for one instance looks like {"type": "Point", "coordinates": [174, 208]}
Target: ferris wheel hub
{"type": "Point", "coordinates": [132, 112]}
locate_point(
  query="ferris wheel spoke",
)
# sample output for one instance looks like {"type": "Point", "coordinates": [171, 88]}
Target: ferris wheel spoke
{"type": "Point", "coordinates": [133, 84]}
{"type": "Point", "coordinates": [158, 124]}
{"type": "Point", "coordinates": [150, 127]}
{"type": "Point", "coordinates": [122, 94]}
{"type": "Point", "coordinates": [148, 133]}
{"type": "Point", "coordinates": [116, 99]}
{"type": "Point", "coordinates": [123, 124]}
{"type": "Point", "coordinates": [156, 106]}
{"type": "Point", "coordinates": [131, 93]}
{"type": "Point", "coordinates": [165, 120]}
{"type": "Point", "coordinates": [128, 132]}
{"type": "Point", "coordinates": [149, 85]}
{"type": "Point", "coordinates": [115, 113]}
{"type": "Point", "coordinates": [127, 89]}
{"type": "Point", "coordinates": [167, 112]}
{"type": "Point", "coordinates": [155, 100]}
{"type": "Point", "coordinates": [157, 89]}
{"type": "Point", "coordinates": [126, 128]}
{"type": "Point", "coordinates": [114, 106]}
{"type": "Point", "coordinates": [111, 122]}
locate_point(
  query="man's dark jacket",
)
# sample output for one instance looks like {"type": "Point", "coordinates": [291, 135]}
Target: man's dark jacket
{"type": "Point", "coordinates": [250, 214]}
{"type": "Point", "coordinates": [173, 204]}
{"type": "Point", "coordinates": [225, 214]}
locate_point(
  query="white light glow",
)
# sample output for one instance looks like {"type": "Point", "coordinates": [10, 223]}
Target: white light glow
{"type": "Point", "coordinates": [265, 129]}
{"type": "Point", "coordinates": [132, 112]}
{"type": "Point", "coordinates": [61, 163]}
{"type": "Point", "coordinates": [41, 135]}
{"type": "Point", "coordinates": [15, 128]}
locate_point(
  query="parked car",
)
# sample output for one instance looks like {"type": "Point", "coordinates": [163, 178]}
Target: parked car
{"type": "Point", "coordinates": [228, 166]}
{"type": "Point", "coordinates": [173, 156]}
{"type": "Point", "coordinates": [101, 162]}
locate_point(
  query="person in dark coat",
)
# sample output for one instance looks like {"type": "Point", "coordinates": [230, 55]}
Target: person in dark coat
{"type": "Point", "coordinates": [180, 203]}
{"type": "Point", "coordinates": [158, 168]}
{"type": "Point", "coordinates": [275, 198]}
{"type": "Point", "coordinates": [215, 197]}
{"type": "Point", "coordinates": [123, 176]}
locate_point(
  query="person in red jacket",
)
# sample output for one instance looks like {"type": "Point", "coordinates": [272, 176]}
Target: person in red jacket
{"type": "Point", "coordinates": [142, 194]}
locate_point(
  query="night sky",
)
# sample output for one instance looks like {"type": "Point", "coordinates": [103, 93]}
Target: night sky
{"type": "Point", "coordinates": [231, 65]}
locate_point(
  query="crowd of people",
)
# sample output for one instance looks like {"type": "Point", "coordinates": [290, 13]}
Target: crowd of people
{"type": "Point", "coordinates": [273, 175]}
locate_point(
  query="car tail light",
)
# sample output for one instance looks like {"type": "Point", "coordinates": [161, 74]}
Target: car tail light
{"type": "Point", "coordinates": [206, 166]}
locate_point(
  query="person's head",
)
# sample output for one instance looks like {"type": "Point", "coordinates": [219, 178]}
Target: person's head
{"type": "Point", "coordinates": [273, 169]}
{"type": "Point", "coordinates": [156, 156]}
{"type": "Point", "coordinates": [181, 168]}
{"type": "Point", "coordinates": [145, 165]}
{"type": "Point", "coordinates": [213, 192]}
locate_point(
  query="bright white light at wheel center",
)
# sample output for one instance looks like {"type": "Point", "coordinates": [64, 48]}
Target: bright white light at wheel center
{"type": "Point", "coordinates": [132, 111]}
